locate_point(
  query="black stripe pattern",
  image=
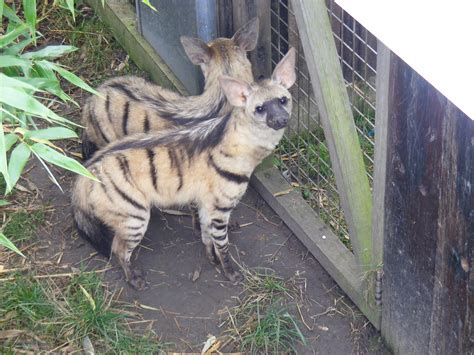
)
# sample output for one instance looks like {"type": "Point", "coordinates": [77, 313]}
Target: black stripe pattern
{"type": "Point", "coordinates": [151, 161]}
{"type": "Point", "coordinates": [237, 178]}
{"type": "Point", "coordinates": [125, 168]}
{"type": "Point", "coordinates": [125, 196]}
{"type": "Point", "coordinates": [96, 125]}
{"type": "Point", "coordinates": [123, 88]}
{"type": "Point", "coordinates": [146, 124]}
{"type": "Point", "coordinates": [126, 112]}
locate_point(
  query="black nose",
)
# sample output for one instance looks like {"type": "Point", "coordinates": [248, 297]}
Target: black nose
{"type": "Point", "coordinates": [277, 122]}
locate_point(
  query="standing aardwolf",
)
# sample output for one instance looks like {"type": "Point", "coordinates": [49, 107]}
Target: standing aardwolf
{"type": "Point", "coordinates": [208, 164]}
{"type": "Point", "coordinates": [132, 105]}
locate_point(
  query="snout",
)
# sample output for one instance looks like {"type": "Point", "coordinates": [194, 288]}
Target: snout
{"type": "Point", "coordinates": [277, 122]}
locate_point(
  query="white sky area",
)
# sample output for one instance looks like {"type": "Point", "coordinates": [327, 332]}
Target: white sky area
{"type": "Point", "coordinates": [436, 38]}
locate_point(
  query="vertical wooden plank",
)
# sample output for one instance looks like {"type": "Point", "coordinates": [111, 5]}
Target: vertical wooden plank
{"type": "Point", "coordinates": [453, 292]}
{"type": "Point", "coordinates": [380, 156]}
{"type": "Point", "coordinates": [245, 10]}
{"type": "Point", "coordinates": [338, 123]}
{"type": "Point", "coordinates": [428, 292]}
{"type": "Point", "coordinates": [225, 23]}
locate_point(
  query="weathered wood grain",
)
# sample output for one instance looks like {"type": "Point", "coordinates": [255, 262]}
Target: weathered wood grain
{"type": "Point", "coordinates": [428, 292]}
{"type": "Point", "coordinates": [380, 156]}
{"type": "Point", "coordinates": [244, 11]}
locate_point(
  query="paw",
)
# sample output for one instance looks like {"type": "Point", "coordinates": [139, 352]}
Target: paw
{"type": "Point", "coordinates": [211, 256]}
{"type": "Point", "coordinates": [137, 280]}
{"type": "Point", "coordinates": [235, 277]}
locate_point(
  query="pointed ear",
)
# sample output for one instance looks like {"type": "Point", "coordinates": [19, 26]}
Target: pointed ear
{"type": "Point", "coordinates": [196, 49]}
{"type": "Point", "coordinates": [236, 91]}
{"type": "Point", "coordinates": [246, 37]}
{"type": "Point", "coordinates": [284, 72]}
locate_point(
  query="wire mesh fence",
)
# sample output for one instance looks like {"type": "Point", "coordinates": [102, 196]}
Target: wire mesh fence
{"type": "Point", "coordinates": [303, 156]}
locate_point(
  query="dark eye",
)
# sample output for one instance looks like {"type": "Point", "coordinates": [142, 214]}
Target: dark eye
{"type": "Point", "coordinates": [284, 100]}
{"type": "Point", "coordinates": [260, 109]}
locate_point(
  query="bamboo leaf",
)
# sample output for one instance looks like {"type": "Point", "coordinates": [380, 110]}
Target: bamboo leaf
{"type": "Point", "coordinates": [147, 3]}
{"type": "Point", "coordinates": [4, 203]}
{"type": "Point", "coordinates": [10, 14]}
{"type": "Point", "coordinates": [11, 60]}
{"type": "Point", "coordinates": [9, 245]}
{"type": "Point", "coordinates": [14, 49]}
{"type": "Point", "coordinates": [12, 35]}
{"type": "Point", "coordinates": [49, 52]}
{"type": "Point", "coordinates": [53, 157]}
{"type": "Point", "coordinates": [51, 133]}
{"type": "Point", "coordinates": [70, 6]}
{"type": "Point", "coordinates": [18, 159]}
{"type": "Point", "coordinates": [3, 158]}
{"type": "Point", "coordinates": [10, 139]}
{"type": "Point", "coordinates": [72, 78]}
{"type": "Point", "coordinates": [12, 82]}
{"type": "Point", "coordinates": [29, 10]}
{"type": "Point", "coordinates": [20, 100]}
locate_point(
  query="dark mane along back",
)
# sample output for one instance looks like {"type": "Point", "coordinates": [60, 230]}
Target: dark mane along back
{"type": "Point", "coordinates": [172, 111]}
{"type": "Point", "coordinates": [195, 139]}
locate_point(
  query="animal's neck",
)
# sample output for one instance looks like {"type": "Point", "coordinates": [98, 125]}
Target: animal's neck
{"type": "Point", "coordinates": [211, 95]}
{"type": "Point", "coordinates": [247, 143]}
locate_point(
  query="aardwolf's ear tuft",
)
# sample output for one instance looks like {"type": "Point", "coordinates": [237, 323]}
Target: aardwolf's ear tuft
{"type": "Point", "coordinates": [196, 49]}
{"type": "Point", "coordinates": [284, 73]}
{"type": "Point", "coordinates": [246, 37]}
{"type": "Point", "coordinates": [236, 91]}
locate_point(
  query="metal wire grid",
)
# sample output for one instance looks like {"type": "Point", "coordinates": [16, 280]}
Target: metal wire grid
{"type": "Point", "coordinates": [357, 50]}
{"type": "Point", "coordinates": [303, 156]}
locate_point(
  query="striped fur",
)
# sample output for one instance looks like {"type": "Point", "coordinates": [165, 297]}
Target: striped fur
{"type": "Point", "coordinates": [208, 164]}
{"type": "Point", "coordinates": [130, 105]}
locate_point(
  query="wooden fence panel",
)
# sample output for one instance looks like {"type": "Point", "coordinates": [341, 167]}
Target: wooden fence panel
{"type": "Point", "coordinates": [428, 293]}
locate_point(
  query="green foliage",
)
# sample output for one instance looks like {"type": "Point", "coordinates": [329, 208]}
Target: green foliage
{"type": "Point", "coordinates": [30, 85]}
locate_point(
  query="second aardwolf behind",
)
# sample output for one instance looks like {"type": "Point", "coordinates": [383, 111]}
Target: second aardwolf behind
{"type": "Point", "coordinates": [130, 104]}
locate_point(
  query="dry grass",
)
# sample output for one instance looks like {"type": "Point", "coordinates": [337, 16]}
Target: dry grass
{"type": "Point", "coordinates": [261, 322]}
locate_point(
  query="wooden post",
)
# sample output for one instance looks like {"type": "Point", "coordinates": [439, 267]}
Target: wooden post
{"type": "Point", "coordinates": [338, 123]}
{"type": "Point", "coordinates": [244, 11]}
{"type": "Point", "coordinates": [380, 158]}
{"type": "Point", "coordinates": [428, 293]}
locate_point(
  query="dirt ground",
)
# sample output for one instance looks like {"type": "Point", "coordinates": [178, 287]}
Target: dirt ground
{"type": "Point", "coordinates": [187, 312]}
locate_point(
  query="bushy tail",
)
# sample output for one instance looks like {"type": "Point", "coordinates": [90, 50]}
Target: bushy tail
{"type": "Point", "coordinates": [88, 147]}
{"type": "Point", "coordinates": [94, 230]}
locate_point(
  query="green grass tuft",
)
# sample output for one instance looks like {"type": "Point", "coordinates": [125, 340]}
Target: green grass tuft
{"type": "Point", "coordinates": [274, 332]}
{"type": "Point", "coordinates": [261, 323]}
{"type": "Point", "coordinates": [21, 225]}
{"type": "Point", "coordinates": [64, 313]}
